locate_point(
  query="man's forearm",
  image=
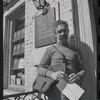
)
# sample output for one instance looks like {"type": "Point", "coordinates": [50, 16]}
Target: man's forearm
{"type": "Point", "coordinates": [41, 71]}
{"type": "Point", "coordinates": [81, 73]}
{"type": "Point", "coordinates": [44, 72]}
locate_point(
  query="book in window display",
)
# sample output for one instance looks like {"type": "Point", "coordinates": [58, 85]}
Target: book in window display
{"type": "Point", "coordinates": [21, 63]}
{"type": "Point", "coordinates": [22, 47]}
{"type": "Point", "coordinates": [22, 32]}
{"type": "Point", "coordinates": [15, 36]}
{"type": "Point", "coordinates": [18, 49]}
{"type": "Point", "coordinates": [18, 35]}
{"type": "Point", "coordinates": [23, 80]}
{"type": "Point", "coordinates": [16, 63]}
{"type": "Point", "coordinates": [15, 49]}
{"type": "Point", "coordinates": [18, 81]}
{"type": "Point", "coordinates": [13, 79]}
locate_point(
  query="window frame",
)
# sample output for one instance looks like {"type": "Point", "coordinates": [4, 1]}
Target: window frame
{"type": "Point", "coordinates": [7, 39]}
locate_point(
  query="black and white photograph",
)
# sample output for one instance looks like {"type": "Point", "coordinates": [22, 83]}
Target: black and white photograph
{"type": "Point", "coordinates": [50, 49]}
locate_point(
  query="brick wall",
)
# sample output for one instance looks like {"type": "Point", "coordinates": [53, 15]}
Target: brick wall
{"type": "Point", "coordinates": [33, 55]}
{"type": "Point", "coordinates": [29, 67]}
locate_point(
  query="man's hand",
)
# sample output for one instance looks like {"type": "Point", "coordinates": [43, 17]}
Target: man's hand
{"type": "Point", "coordinates": [73, 78]}
{"type": "Point", "coordinates": [57, 75]}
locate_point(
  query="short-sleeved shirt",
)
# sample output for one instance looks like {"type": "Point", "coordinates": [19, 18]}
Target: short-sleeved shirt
{"type": "Point", "coordinates": [71, 61]}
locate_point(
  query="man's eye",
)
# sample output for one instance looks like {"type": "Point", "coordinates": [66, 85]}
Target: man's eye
{"type": "Point", "coordinates": [59, 31]}
{"type": "Point", "coordinates": [64, 31]}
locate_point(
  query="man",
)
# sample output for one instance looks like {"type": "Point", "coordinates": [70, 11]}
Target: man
{"type": "Point", "coordinates": [72, 65]}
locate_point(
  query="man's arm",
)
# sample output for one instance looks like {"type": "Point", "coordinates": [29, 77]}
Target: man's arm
{"type": "Point", "coordinates": [42, 69]}
{"type": "Point", "coordinates": [76, 77]}
{"type": "Point", "coordinates": [80, 64]}
{"type": "Point", "coordinates": [81, 69]}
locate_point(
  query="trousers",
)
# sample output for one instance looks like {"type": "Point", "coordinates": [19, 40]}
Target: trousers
{"type": "Point", "coordinates": [55, 94]}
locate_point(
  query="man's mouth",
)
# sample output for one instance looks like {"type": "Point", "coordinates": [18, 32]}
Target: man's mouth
{"type": "Point", "coordinates": [63, 36]}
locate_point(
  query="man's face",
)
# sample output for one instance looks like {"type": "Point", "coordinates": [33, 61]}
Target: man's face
{"type": "Point", "coordinates": [62, 33]}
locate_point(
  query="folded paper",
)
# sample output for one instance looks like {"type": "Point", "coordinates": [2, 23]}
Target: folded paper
{"type": "Point", "coordinates": [71, 91]}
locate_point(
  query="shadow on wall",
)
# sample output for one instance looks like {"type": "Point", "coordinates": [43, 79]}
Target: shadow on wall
{"type": "Point", "coordinates": [89, 81]}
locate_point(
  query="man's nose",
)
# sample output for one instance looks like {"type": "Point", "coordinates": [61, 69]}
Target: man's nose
{"type": "Point", "coordinates": [62, 33]}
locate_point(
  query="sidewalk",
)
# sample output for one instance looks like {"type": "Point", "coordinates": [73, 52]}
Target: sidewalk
{"type": "Point", "coordinates": [8, 92]}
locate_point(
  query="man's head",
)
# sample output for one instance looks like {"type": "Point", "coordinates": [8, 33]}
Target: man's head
{"type": "Point", "coordinates": [61, 31]}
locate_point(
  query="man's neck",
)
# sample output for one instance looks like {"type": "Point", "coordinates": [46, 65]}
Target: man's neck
{"type": "Point", "coordinates": [63, 44]}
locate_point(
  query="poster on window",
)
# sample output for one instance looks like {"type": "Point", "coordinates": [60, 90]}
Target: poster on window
{"type": "Point", "coordinates": [44, 34]}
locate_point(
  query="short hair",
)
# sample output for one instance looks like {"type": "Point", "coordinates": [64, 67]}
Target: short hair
{"type": "Point", "coordinates": [59, 22]}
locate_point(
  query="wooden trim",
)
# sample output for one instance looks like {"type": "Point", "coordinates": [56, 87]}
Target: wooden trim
{"type": "Point", "coordinates": [10, 4]}
{"type": "Point", "coordinates": [18, 12]}
{"type": "Point", "coordinates": [6, 52]}
{"type": "Point", "coordinates": [9, 30]}
{"type": "Point", "coordinates": [10, 46]}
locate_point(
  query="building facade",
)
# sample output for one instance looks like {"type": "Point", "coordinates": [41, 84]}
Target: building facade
{"type": "Point", "coordinates": [19, 41]}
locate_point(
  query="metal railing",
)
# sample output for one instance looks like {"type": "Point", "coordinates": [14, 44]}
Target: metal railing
{"type": "Point", "coordinates": [35, 95]}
